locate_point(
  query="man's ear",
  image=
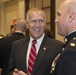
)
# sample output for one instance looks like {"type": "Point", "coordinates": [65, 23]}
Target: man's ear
{"type": "Point", "coordinates": [71, 17]}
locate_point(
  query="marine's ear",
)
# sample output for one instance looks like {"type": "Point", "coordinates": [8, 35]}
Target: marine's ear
{"type": "Point", "coordinates": [71, 17]}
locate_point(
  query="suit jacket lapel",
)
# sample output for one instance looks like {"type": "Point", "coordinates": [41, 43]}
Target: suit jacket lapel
{"type": "Point", "coordinates": [40, 55]}
{"type": "Point", "coordinates": [24, 53]}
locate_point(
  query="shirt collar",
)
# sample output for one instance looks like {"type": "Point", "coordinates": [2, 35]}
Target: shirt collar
{"type": "Point", "coordinates": [70, 36]}
{"type": "Point", "coordinates": [18, 32]}
{"type": "Point", "coordinates": [72, 32]}
{"type": "Point", "coordinates": [38, 40]}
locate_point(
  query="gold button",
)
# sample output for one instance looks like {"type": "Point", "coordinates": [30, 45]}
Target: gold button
{"type": "Point", "coordinates": [72, 44]}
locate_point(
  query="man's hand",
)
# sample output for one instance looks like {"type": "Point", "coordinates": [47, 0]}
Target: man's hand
{"type": "Point", "coordinates": [18, 72]}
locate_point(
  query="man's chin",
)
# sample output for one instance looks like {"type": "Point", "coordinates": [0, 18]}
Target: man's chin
{"type": "Point", "coordinates": [61, 34]}
{"type": "Point", "coordinates": [37, 36]}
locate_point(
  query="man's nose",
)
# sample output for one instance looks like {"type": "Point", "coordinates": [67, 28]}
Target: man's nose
{"type": "Point", "coordinates": [37, 23]}
{"type": "Point", "coordinates": [56, 20]}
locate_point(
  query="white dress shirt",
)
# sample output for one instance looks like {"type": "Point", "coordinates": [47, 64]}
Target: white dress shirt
{"type": "Point", "coordinates": [39, 41]}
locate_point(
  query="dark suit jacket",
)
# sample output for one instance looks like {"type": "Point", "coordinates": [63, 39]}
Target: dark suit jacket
{"type": "Point", "coordinates": [47, 52]}
{"type": "Point", "coordinates": [5, 49]}
{"type": "Point", "coordinates": [66, 64]}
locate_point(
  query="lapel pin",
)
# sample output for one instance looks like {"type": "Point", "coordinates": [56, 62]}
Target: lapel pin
{"type": "Point", "coordinates": [72, 44]}
{"type": "Point", "coordinates": [44, 48]}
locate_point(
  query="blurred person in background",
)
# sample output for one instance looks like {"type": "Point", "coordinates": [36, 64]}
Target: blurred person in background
{"type": "Point", "coordinates": [12, 30]}
{"type": "Point", "coordinates": [1, 36]}
{"type": "Point", "coordinates": [49, 33]}
{"type": "Point", "coordinates": [6, 42]}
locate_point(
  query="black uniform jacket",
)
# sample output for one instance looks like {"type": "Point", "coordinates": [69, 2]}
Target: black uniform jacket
{"type": "Point", "coordinates": [66, 63]}
{"type": "Point", "coordinates": [5, 49]}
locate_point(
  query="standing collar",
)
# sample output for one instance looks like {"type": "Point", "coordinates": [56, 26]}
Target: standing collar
{"type": "Point", "coordinates": [69, 37]}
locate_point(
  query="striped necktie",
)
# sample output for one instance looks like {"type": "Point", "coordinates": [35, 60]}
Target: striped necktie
{"type": "Point", "coordinates": [32, 57]}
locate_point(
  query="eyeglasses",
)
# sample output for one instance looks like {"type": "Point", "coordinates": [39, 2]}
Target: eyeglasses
{"type": "Point", "coordinates": [39, 21]}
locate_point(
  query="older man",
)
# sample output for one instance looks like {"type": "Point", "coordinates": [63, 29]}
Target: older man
{"type": "Point", "coordinates": [35, 58]}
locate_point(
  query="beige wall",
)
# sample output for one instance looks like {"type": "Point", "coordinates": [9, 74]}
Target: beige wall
{"type": "Point", "coordinates": [2, 17]}
{"type": "Point", "coordinates": [11, 12]}
{"type": "Point", "coordinates": [58, 37]}
{"type": "Point", "coordinates": [0, 20]}
{"type": "Point", "coordinates": [21, 10]}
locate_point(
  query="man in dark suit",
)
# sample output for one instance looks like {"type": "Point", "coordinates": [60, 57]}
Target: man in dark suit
{"type": "Point", "coordinates": [47, 48]}
{"type": "Point", "coordinates": [6, 42]}
{"type": "Point", "coordinates": [66, 20]}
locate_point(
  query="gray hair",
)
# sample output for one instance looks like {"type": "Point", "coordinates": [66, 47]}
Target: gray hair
{"type": "Point", "coordinates": [34, 10]}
